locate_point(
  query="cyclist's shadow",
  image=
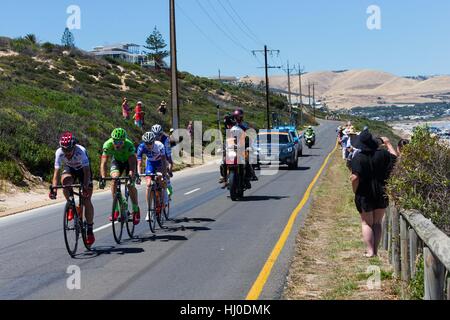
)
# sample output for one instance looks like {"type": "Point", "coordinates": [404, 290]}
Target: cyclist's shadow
{"type": "Point", "coordinates": [98, 251]}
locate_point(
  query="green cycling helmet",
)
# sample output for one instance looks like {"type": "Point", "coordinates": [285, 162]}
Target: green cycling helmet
{"type": "Point", "coordinates": [119, 134]}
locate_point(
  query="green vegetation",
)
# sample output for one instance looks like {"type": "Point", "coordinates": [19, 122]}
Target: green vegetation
{"type": "Point", "coordinates": [421, 178]}
{"type": "Point", "coordinates": [48, 89]}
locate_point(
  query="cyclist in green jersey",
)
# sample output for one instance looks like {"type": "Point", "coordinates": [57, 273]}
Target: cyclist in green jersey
{"type": "Point", "coordinates": [123, 155]}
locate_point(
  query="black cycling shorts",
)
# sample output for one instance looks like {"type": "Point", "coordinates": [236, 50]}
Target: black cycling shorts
{"type": "Point", "coordinates": [118, 166]}
{"type": "Point", "coordinates": [77, 175]}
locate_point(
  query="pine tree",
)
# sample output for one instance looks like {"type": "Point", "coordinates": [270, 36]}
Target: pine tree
{"type": "Point", "coordinates": [68, 40]}
{"type": "Point", "coordinates": [156, 43]}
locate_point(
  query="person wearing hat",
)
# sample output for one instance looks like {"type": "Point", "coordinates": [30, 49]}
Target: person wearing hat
{"type": "Point", "coordinates": [162, 109]}
{"type": "Point", "coordinates": [371, 167]}
{"type": "Point", "coordinates": [139, 115]}
{"type": "Point", "coordinates": [351, 150]}
{"type": "Point", "coordinates": [125, 109]}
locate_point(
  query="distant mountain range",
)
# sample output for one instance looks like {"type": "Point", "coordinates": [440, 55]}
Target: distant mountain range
{"type": "Point", "coordinates": [361, 88]}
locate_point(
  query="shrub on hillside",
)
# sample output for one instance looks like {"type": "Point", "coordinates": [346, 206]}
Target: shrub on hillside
{"type": "Point", "coordinates": [421, 178]}
{"type": "Point", "coordinates": [11, 172]}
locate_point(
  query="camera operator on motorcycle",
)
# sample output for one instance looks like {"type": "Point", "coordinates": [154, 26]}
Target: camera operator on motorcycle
{"type": "Point", "coordinates": [238, 115]}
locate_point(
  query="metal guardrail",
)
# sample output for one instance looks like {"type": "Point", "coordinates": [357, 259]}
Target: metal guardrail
{"type": "Point", "coordinates": [406, 235]}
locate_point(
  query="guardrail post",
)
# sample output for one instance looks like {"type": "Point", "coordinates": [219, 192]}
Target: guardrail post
{"type": "Point", "coordinates": [434, 276]}
{"type": "Point", "coordinates": [391, 260]}
{"type": "Point", "coordinates": [385, 229]}
{"type": "Point", "coordinates": [413, 250]}
{"type": "Point", "coordinates": [406, 271]}
{"type": "Point", "coordinates": [396, 241]}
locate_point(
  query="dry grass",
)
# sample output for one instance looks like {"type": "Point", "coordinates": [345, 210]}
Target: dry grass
{"type": "Point", "coordinates": [329, 262]}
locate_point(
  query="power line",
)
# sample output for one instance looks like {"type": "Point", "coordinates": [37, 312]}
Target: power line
{"type": "Point", "coordinates": [245, 25]}
{"type": "Point", "coordinates": [236, 23]}
{"type": "Point", "coordinates": [224, 24]}
{"type": "Point", "coordinates": [220, 28]}
{"type": "Point", "coordinates": [205, 35]}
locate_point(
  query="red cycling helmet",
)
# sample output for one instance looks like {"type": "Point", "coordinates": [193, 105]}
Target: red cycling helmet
{"type": "Point", "coordinates": [67, 141]}
{"type": "Point", "coordinates": [238, 114]}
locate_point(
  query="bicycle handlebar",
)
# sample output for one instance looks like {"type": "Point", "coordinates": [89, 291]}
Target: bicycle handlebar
{"type": "Point", "coordinates": [66, 186]}
{"type": "Point", "coordinates": [119, 178]}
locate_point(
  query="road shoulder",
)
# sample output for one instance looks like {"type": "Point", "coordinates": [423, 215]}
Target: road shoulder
{"type": "Point", "coordinates": [328, 262]}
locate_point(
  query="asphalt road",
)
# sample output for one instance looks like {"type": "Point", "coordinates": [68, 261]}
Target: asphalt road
{"type": "Point", "coordinates": [213, 249]}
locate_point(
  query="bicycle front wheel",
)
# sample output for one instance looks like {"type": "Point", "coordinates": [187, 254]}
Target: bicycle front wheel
{"type": "Point", "coordinates": [117, 220]}
{"type": "Point", "coordinates": [71, 229]}
{"type": "Point", "coordinates": [130, 223]}
{"type": "Point", "coordinates": [152, 210]}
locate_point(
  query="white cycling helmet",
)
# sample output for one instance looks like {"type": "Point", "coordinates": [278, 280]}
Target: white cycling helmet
{"type": "Point", "coordinates": [149, 137]}
{"type": "Point", "coordinates": [157, 129]}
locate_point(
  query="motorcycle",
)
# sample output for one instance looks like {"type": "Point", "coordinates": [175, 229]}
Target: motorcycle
{"type": "Point", "coordinates": [235, 176]}
{"type": "Point", "coordinates": [310, 140]}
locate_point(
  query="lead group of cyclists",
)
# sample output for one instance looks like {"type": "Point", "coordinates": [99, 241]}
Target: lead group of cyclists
{"type": "Point", "coordinates": [73, 160]}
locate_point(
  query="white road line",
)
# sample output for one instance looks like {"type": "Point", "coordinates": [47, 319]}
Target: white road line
{"type": "Point", "coordinates": [102, 227]}
{"type": "Point", "coordinates": [195, 190]}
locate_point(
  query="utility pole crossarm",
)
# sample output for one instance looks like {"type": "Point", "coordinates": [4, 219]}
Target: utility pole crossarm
{"type": "Point", "coordinates": [267, 67]}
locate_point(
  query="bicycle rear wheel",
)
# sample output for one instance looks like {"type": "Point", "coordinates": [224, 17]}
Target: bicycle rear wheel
{"type": "Point", "coordinates": [117, 220]}
{"type": "Point", "coordinates": [71, 229]}
{"type": "Point", "coordinates": [161, 216]}
{"type": "Point", "coordinates": [130, 223]}
{"type": "Point", "coordinates": [152, 210]}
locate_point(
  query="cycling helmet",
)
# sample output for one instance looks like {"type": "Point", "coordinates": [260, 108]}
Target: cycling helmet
{"type": "Point", "coordinates": [149, 137]}
{"type": "Point", "coordinates": [157, 129]}
{"type": "Point", "coordinates": [67, 141]}
{"type": "Point", "coordinates": [119, 134]}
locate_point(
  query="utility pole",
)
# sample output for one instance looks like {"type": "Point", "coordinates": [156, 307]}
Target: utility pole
{"type": "Point", "coordinates": [267, 67]}
{"type": "Point", "coordinates": [309, 93]}
{"type": "Point", "coordinates": [289, 89]}
{"type": "Point", "coordinates": [173, 67]}
{"type": "Point", "coordinates": [300, 70]}
{"type": "Point", "coordinates": [314, 101]}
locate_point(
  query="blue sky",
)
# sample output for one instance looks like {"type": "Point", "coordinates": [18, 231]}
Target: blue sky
{"type": "Point", "coordinates": [322, 34]}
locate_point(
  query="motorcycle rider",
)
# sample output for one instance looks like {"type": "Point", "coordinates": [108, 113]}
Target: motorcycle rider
{"type": "Point", "coordinates": [229, 123]}
{"type": "Point", "coordinates": [310, 133]}
{"type": "Point", "coordinates": [238, 115]}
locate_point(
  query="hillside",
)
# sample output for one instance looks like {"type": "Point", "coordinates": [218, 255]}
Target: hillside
{"type": "Point", "coordinates": [354, 88]}
{"type": "Point", "coordinates": [46, 89]}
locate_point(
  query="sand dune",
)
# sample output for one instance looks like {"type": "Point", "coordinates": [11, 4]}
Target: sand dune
{"type": "Point", "coordinates": [365, 88]}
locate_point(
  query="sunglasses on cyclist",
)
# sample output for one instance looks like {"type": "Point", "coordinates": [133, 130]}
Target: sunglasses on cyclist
{"type": "Point", "coordinates": [118, 142]}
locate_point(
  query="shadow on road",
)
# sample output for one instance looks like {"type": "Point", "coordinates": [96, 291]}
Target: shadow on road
{"type": "Point", "coordinates": [97, 251]}
{"type": "Point", "coordinates": [186, 219]}
{"type": "Point", "coordinates": [262, 198]}
{"type": "Point", "coordinates": [300, 168]}
{"type": "Point", "coordinates": [162, 238]}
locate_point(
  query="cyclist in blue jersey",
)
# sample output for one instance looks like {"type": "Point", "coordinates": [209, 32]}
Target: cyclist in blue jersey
{"type": "Point", "coordinates": [156, 162]}
{"type": "Point", "coordinates": [165, 140]}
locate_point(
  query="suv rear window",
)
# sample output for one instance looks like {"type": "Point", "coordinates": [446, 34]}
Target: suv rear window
{"type": "Point", "coordinates": [267, 138]}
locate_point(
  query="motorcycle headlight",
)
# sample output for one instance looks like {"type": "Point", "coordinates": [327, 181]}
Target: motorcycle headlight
{"type": "Point", "coordinates": [288, 150]}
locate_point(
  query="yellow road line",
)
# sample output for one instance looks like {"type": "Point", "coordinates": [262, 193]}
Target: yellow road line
{"type": "Point", "coordinates": [258, 285]}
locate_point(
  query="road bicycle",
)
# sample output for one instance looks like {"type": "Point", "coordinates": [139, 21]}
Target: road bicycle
{"type": "Point", "coordinates": [120, 213]}
{"type": "Point", "coordinates": [74, 221]}
{"type": "Point", "coordinates": [157, 212]}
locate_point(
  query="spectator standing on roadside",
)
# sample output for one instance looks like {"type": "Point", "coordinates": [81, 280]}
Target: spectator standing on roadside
{"type": "Point", "coordinates": [190, 128]}
{"type": "Point", "coordinates": [351, 151]}
{"type": "Point", "coordinates": [139, 115]}
{"type": "Point", "coordinates": [125, 109]}
{"type": "Point", "coordinates": [371, 168]}
{"type": "Point", "coordinates": [162, 109]}
{"type": "Point", "coordinates": [401, 144]}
